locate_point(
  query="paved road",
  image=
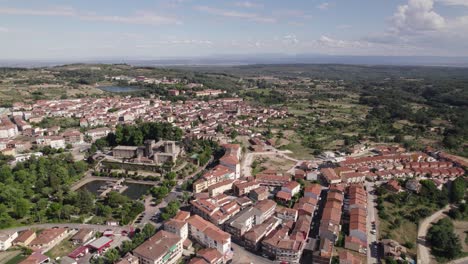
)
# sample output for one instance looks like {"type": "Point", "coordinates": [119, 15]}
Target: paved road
{"type": "Point", "coordinates": [151, 210]}
{"type": "Point", "coordinates": [459, 261]}
{"type": "Point", "coordinates": [424, 256]}
{"type": "Point", "coordinates": [372, 253]}
{"type": "Point", "coordinates": [100, 228]}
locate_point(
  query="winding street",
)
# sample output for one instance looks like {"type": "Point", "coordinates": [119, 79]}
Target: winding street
{"type": "Point", "coordinates": [424, 253]}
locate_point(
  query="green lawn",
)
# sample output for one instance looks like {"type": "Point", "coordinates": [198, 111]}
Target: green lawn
{"type": "Point", "coordinates": [17, 259]}
{"type": "Point", "coordinates": [62, 249]}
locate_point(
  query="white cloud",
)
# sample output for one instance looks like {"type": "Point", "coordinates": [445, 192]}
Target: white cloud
{"type": "Point", "coordinates": [141, 18]}
{"type": "Point", "coordinates": [171, 42]}
{"type": "Point", "coordinates": [454, 2]}
{"type": "Point", "coordinates": [247, 4]}
{"type": "Point", "coordinates": [4, 30]}
{"type": "Point", "coordinates": [324, 6]}
{"type": "Point", "coordinates": [417, 15]}
{"type": "Point", "coordinates": [236, 14]}
{"type": "Point", "coordinates": [337, 43]}
{"type": "Point", "coordinates": [290, 39]}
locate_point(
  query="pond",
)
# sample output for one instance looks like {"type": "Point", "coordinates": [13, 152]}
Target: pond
{"type": "Point", "coordinates": [120, 89]}
{"type": "Point", "coordinates": [134, 190]}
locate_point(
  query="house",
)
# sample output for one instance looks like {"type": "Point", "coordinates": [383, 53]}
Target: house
{"type": "Point", "coordinates": [279, 246]}
{"type": "Point", "coordinates": [244, 187]}
{"type": "Point", "coordinates": [128, 259]}
{"type": "Point", "coordinates": [48, 237]}
{"type": "Point", "coordinates": [253, 237]}
{"type": "Point", "coordinates": [25, 238]}
{"type": "Point", "coordinates": [207, 256]}
{"type": "Point", "coordinates": [241, 223]}
{"type": "Point", "coordinates": [263, 210]}
{"type": "Point", "coordinates": [392, 248]}
{"type": "Point", "coordinates": [100, 245]}
{"type": "Point", "coordinates": [291, 187]}
{"type": "Point", "coordinates": [272, 180]}
{"type": "Point", "coordinates": [259, 194]}
{"type": "Point", "coordinates": [313, 190]}
{"type": "Point", "coordinates": [220, 187]}
{"type": "Point", "coordinates": [209, 235]}
{"type": "Point", "coordinates": [36, 258]}
{"type": "Point", "coordinates": [6, 239]}
{"type": "Point", "coordinates": [393, 186]}
{"type": "Point", "coordinates": [178, 227]}
{"type": "Point", "coordinates": [330, 176]}
{"type": "Point", "coordinates": [97, 133]}
{"type": "Point", "coordinates": [283, 196]}
{"type": "Point", "coordinates": [163, 247]}
{"type": "Point", "coordinates": [82, 236]}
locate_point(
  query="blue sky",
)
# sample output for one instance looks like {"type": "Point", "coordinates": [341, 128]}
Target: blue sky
{"type": "Point", "coordinates": [72, 29]}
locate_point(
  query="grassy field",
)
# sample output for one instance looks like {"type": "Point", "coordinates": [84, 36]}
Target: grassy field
{"type": "Point", "coordinates": [406, 232]}
{"type": "Point", "coordinates": [62, 249]}
{"type": "Point", "coordinates": [461, 229]}
{"type": "Point", "coordinates": [272, 162]}
{"type": "Point", "coordinates": [397, 227]}
{"type": "Point", "coordinates": [16, 259]}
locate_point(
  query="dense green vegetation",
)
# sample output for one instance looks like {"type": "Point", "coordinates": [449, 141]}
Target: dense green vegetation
{"type": "Point", "coordinates": [62, 122]}
{"type": "Point", "coordinates": [37, 191]}
{"type": "Point", "coordinates": [410, 206]}
{"type": "Point", "coordinates": [135, 135]}
{"type": "Point", "coordinates": [445, 244]}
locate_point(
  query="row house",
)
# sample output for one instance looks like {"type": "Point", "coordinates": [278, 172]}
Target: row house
{"type": "Point", "coordinates": [55, 142]}
{"type": "Point", "coordinates": [220, 187]}
{"type": "Point", "coordinates": [330, 224]}
{"type": "Point", "coordinates": [163, 247]}
{"type": "Point", "coordinates": [210, 236]}
{"type": "Point", "coordinates": [244, 187]}
{"type": "Point", "coordinates": [217, 174]}
{"type": "Point", "coordinates": [279, 246]}
{"type": "Point", "coordinates": [253, 237]}
{"type": "Point", "coordinates": [272, 180]}
{"type": "Point", "coordinates": [217, 209]}
{"type": "Point", "coordinates": [259, 194]}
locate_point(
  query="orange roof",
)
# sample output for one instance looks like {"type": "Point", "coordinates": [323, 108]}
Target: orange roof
{"type": "Point", "coordinates": [283, 195]}
{"type": "Point", "coordinates": [314, 188]}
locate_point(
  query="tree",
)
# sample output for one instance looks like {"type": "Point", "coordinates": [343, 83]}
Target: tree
{"type": "Point", "coordinates": [22, 207]}
{"type": "Point", "coordinates": [170, 210]}
{"type": "Point", "coordinates": [234, 134]}
{"type": "Point", "coordinates": [458, 190]}
{"type": "Point", "coordinates": [111, 256]}
{"type": "Point", "coordinates": [85, 201]}
{"type": "Point", "coordinates": [444, 242]}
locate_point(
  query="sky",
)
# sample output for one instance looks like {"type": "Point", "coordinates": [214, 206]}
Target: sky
{"type": "Point", "coordinates": [152, 29]}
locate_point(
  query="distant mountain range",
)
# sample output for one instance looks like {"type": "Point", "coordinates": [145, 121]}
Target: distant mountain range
{"type": "Point", "coordinates": [229, 59]}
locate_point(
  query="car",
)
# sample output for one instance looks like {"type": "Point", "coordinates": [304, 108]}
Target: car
{"type": "Point", "coordinates": [373, 231]}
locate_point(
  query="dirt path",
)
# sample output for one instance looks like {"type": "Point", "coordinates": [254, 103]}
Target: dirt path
{"type": "Point", "coordinates": [424, 255]}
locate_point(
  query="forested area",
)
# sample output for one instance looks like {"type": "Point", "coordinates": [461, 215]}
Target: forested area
{"type": "Point", "coordinates": [38, 191]}
{"type": "Point", "coordinates": [135, 135]}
